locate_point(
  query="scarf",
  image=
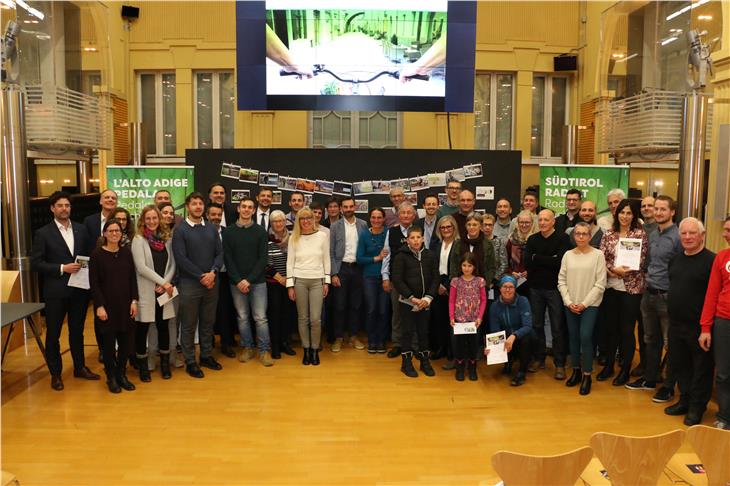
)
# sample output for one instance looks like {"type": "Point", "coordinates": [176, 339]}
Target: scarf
{"type": "Point", "coordinates": [155, 242]}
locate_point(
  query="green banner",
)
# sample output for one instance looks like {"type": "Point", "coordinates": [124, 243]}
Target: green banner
{"type": "Point", "coordinates": [136, 185]}
{"type": "Point", "coordinates": [594, 181]}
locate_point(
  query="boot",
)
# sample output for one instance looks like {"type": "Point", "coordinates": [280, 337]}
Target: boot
{"type": "Point", "coordinates": [472, 369]}
{"type": "Point", "coordinates": [460, 369]}
{"type": "Point", "coordinates": [605, 373]}
{"type": "Point", "coordinates": [314, 356]}
{"type": "Point", "coordinates": [306, 359]}
{"type": "Point", "coordinates": [165, 366]}
{"type": "Point", "coordinates": [407, 366]}
{"type": "Point", "coordinates": [112, 384]}
{"type": "Point", "coordinates": [574, 378]}
{"type": "Point", "coordinates": [622, 378]}
{"type": "Point", "coordinates": [425, 364]}
{"type": "Point", "coordinates": [144, 372]}
{"type": "Point", "coordinates": [124, 382]}
{"type": "Point", "coordinates": [585, 385]}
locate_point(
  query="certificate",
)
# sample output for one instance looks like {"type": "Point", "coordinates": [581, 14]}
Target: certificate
{"type": "Point", "coordinates": [494, 342]}
{"type": "Point", "coordinates": [164, 297]}
{"type": "Point", "coordinates": [628, 253]}
{"type": "Point", "coordinates": [465, 328]}
{"type": "Point", "coordinates": [80, 279]}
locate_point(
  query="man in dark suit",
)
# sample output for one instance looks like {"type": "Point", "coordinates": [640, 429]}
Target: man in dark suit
{"type": "Point", "coordinates": [217, 194]}
{"type": "Point", "coordinates": [95, 222]}
{"type": "Point", "coordinates": [263, 210]}
{"type": "Point", "coordinates": [428, 222]}
{"type": "Point", "coordinates": [55, 248]}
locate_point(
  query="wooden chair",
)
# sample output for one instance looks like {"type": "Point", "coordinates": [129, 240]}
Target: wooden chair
{"type": "Point", "coordinates": [521, 469]}
{"type": "Point", "coordinates": [713, 448]}
{"type": "Point", "coordinates": [634, 461]}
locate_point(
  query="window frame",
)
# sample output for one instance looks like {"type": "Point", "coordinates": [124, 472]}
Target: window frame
{"type": "Point", "coordinates": [493, 76]}
{"type": "Point", "coordinates": [548, 115]}
{"type": "Point", "coordinates": [215, 107]}
{"type": "Point", "coordinates": [354, 130]}
{"type": "Point", "coordinates": [159, 109]}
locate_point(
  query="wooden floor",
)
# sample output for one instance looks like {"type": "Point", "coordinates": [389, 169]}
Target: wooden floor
{"type": "Point", "coordinates": [353, 420]}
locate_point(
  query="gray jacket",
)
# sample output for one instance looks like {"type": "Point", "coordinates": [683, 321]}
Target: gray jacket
{"type": "Point", "coordinates": [147, 279]}
{"type": "Point", "coordinates": [337, 242]}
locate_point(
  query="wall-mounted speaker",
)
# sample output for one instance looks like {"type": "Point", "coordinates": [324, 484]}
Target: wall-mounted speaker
{"type": "Point", "coordinates": [129, 12]}
{"type": "Point", "coordinates": [565, 63]}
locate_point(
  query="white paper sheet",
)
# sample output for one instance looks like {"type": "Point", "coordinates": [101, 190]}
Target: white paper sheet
{"type": "Point", "coordinates": [494, 342]}
{"type": "Point", "coordinates": [80, 279]}
{"type": "Point", "coordinates": [465, 328]}
{"type": "Point", "coordinates": [628, 253]}
{"type": "Point", "coordinates": [164, 298]}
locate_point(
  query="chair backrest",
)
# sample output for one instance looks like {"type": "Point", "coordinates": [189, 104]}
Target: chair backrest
{"type": "Point", "coordinates": [521, 469]}
{"type": "Point", "coordinates": [633, 461]}
{"type": "Point", "coordinates": [10, 286]}
{"type": "Point", "coordinates": [713, 448]}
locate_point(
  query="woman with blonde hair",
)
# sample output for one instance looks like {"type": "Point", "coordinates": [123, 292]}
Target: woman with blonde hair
{"type": "Point", "coordinates": [308, 279]}
{"type": "Point", "coordinates": [525, 227]}
{"type": "Point", "coordinates": [155, 264]}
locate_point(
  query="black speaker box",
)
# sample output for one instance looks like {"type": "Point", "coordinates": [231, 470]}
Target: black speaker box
{"type": "Point", "coordinates": [129, 12]}
{"type": "Point", "coordinates": [565, 63]}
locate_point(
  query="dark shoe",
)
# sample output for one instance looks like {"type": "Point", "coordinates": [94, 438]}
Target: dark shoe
{"type": "Point", "coordinates": [165, 365]}
{"type": "Point", "coordinates": [472, 370]}
{"type": "Point", "coordinates": [113, 386]}
{"type": "Point", "coordinates": [288, 350]}
{"type": "Point", "coordinates": [585, 385]}
{"type": "Point", "coordinates": [194, 370]}
{"type": "Point", "coordinates": [144, 372]}
{"type": "Point", "coordinates": [693, 418]}
{"type": "Point", "coordinates": [372, 349]}
{"type": "Point", "coordinates": [314, 355]}
{"type": "Point", "coordinates": [210, 363]}
{"type": "Point", "coordinates": [560, 373]}
{"type": "Point", "coordinates": [622, 378]}
{"type": "Point", "coordinates": [407, 365]}
{"type": "Point", "coordinates": [56, 382]}
{"type": "Point", "coordinates": [425, 364]}
{"type": "Point", "coordinates": [640, 384]}
{"type": "Point", "coordinates": [394, 352]}
{"type": "Point", "coordinates": [663, 395]}
{"type": "Point", "coordinates": [228, 352]}
{"type": "Point", "coordinates": [519, 379]}
{"type": "Point", "coordinates": [276, 354]}
{"type": "Point", "coordinates": [125, 383]}
{"type": "Point", "coordinates": [86, 374]}
{"type": "Point", "coordinates": [605, 373]}
{"type": "Point", "coordinates": [307, 358]}
{"type": "Point", "coordinates": [574, 378]}
{"type": "Point", "coordinates": [678, 408]}
{"type": "Point", "coordinates": [460, 366]}
{"type": "Point", "coordinates": [534, 366]}
{"type": "Point", "coordinates": [507, 368]}
{"type": "Point", "coordinates": [381, 349]}
{"type": "Point", "coordinates": [438, 354]}
{"type": "Point", "coordinates": [638, 371]}
{"type": "Point", "coordinates": [449, 365]}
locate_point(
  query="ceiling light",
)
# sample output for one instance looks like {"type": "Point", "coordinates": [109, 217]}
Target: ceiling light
{"type": "Point", "coordinates": [686, 9]}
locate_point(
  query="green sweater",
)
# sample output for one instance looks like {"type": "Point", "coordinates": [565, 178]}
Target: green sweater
{"type": "Point", "coordinates": [245, 253]}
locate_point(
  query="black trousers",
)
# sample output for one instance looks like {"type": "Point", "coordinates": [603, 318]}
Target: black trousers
{"type": "Point", "coordinates": [225, 322]}
{"type": "Point", "coordinates": [279, 313]}
{"type": "Point", "coordinates": [692, 367]}
{"type": "Point", "coordinates": [466, 346]}
{"type": "Point", "coordinates": [621, 309]}
{"type": "Point", "coordinates": [115, 347]}
{"type": "Point", "coordinates": [163, 334]}
{"type": "Point", "coordinates": [75, 308]}
{"type": "Point", "coordinates": [348, 300]}
{"type": "Point", "coordinates": [439, 328]}
{"type": "Point", "coordinates": [414, 323]}
{"type": "Point", "coordinates": [522, 351]}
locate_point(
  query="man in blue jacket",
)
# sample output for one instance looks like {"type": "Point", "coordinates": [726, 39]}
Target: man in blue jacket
{"type": "Point", "coordinates": [511, 313]}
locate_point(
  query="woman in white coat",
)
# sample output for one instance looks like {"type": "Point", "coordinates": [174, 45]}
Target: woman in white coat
{"type": "Point", "coordinates": [155, 265]}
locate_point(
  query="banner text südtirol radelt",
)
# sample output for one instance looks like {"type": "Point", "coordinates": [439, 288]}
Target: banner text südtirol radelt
{"type": "Point", "coordinates": [594, 182]}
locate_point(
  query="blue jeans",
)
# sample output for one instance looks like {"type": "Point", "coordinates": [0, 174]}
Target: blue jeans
{"type": "Point", "coordinates": [376, 305]}
{"type": "Point", "coordinates": [256, 298]}
{"type": "Point", "coordinates": [580, 331]}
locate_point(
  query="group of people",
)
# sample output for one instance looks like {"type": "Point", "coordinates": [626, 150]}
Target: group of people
{"type": "Point", "coordinates": [318, 270]}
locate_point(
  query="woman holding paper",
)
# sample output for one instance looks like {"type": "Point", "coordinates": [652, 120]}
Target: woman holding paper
{"type": "Point", "coordinates": [155, 264]}
{"type": "Point", "coordinates": [114, 290]}
{"type": "Point", "coordinates": [581, 282]}
{"type": "Point", "coordinates": [625, 286]}
{"type": "Point", "coordinates": [467, 303]}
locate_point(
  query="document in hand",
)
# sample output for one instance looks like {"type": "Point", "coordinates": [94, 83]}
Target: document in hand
{"type": "Point", "coordinates": [628, 253]}
{"type": "Point", "coordinates": [164, 298]}
{"type": "Point", "coordinates": [494, 342]}
{"type": "Point", "coordinates": [80, 279]}
{"type": "Point", "coordinates": [465, 328]}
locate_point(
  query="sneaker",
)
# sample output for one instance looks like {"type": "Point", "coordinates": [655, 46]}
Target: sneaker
{"type": "Point", "coordinates": [266, 359]}
{"type": "Point", "coordinates": [534, 366]}
{"type": "Point", "coordinates": [560, 373]}
{"type": "Point", "coordinates": [381, 349]}
{"type": "Point", "coordinates": [336, 346]}
{"type": "Point", "coordinates": [640, 384]}
{"type": "Point", "coordinates": [372, 349]}
{"type": "Point", "coordinates": [719, 424]}
{"type": "Point", "coordinates": [663, 395]}
{"type": "Point", "coordinates": [355, 343]}
{"type": "Point", "coordinates": [518, 380]}
{"type": "Point", "coordinates": [246, 355]}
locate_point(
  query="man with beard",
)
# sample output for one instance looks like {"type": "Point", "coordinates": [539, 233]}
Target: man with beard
{"type": "Point", "coordinates": [587, 214]}
{"type": "Point", "coordinates": [572, 207]}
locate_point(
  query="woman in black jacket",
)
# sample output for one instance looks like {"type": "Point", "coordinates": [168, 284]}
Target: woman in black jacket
{"type": "Point", "coordinates": [416, 278]}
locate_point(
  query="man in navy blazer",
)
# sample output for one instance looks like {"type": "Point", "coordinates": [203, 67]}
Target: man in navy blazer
{"type": "Point", "coordinates": [429, 222]}
{"type": "Point", "coordinates": [346, 276]}
{"type": "Point", "coordinates": [55, 248]}
{"type": "Point", "coordinates": [95, 222]}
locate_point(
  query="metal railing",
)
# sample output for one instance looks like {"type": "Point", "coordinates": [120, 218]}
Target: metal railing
{"type": "Point", "coordinates": [58, 117]}
{"type": "Point", "coordinates": [648, 122]}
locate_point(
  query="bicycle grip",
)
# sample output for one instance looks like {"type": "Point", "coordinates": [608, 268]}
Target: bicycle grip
{"type": "Point", "coordinates": [421, 77]}
{"type": "Point", "coordinates": [284, 72]}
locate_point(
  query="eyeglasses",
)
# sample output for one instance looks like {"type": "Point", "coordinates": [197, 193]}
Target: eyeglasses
{"type": "Point", "coordinates": [305, 218]}
{"type": "Point", "coordinates": [507, 287]}
{"type": "Point", "coordinates": [581, 234]}
{"type": "Point", "coordinates": [445, 227]}
{"type": "Point", "coordinates": [113, 231]}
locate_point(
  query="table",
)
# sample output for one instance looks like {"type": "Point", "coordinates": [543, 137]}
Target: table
{"type": "Point", "coordinates": [14, 312]}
